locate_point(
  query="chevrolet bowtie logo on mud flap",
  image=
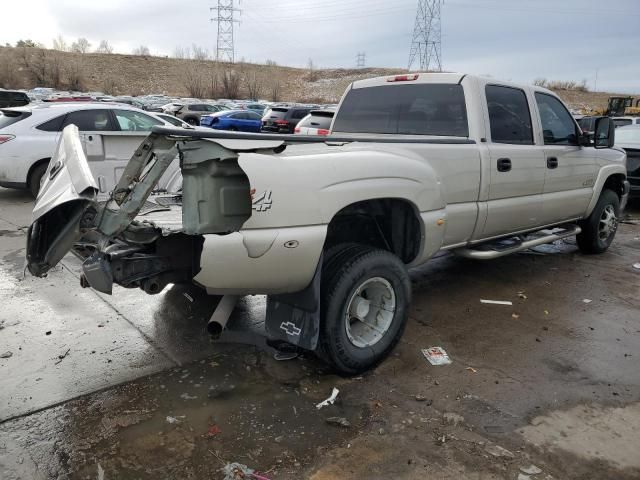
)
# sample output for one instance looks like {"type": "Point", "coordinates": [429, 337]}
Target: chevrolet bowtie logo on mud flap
{"type": "Point", "coordinates": [291, 329]}
{"type": "Point", "coordinates": [262, 202]}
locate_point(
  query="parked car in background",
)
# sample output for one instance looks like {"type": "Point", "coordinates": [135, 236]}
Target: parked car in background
{"type": "Point", "coordinates": [318, 122]}
{"type": "Point", "coordinates": [192, 112]}
{"type": "Point", "coordinates": [628, 138]}
{"type": "Point", "coordinates": [233, 120]}
{"type": "Point", "coordinates": [12, 98]}
{"type": "Point", "coordinates": [625, 121]}
{"type": "Point", "coordinates": [283, 119]}
{"type": "Point", "coordinates": [109, 134]}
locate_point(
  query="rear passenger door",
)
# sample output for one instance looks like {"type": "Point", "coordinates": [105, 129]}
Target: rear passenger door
{"type": "Point", "coordinates": [570, 170]}
{"type": "Point", "coordinates": [517, 167]}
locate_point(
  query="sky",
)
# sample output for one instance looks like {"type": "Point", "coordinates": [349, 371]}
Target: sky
{"type": "Point", "coordinates": [517, 40]}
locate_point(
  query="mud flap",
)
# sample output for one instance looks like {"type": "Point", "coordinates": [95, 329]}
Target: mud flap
{"type": "Point", "coordinates": [295, 317]}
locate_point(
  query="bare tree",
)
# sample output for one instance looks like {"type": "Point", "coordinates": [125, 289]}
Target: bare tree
{"type": "Point", "coordinates": [214, 90]}
{"type": "Point", "coordinates": [104, 47]}
{"type": "Point", "coordinates": [181, 53]}
{"type": "Point", "coordinates": [110, 85]}
{"type": "Point", "coordinates": [230, 84]}
{"type": "Point", "coordinates": [199, 53]}
{"type": "Point", "coordinates": [142, 50]}
{"type": "Point", "coordinates": [270, 63]}
{"type": "Point", "coordinates": [44, 67]}
{"type": "Point", "coordinates": [60, 44]}
{"type": "Point", "coordinates": [8, 75]}
{"type": "Point", "coordinates": [195, 83]}
{"type": "Point", "coordinates": [311, 69]}
{"type": "Point", "coordinates": [27, 44]}
{"type": "Point", "coordinates": [275, 90]}
{"type": "Point", "coordinates": [81, 45]}
{"type": "Point", "coordinates": [75, 76]}
{"type": "Point", "coordinates": [253, 85]}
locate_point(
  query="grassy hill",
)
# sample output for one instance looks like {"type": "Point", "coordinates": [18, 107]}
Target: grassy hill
{"type": "Point", "coordinates": [138, 75]}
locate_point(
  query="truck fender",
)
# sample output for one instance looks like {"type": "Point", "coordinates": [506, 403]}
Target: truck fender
{"type": "Point", "coordinates": [603, 175]}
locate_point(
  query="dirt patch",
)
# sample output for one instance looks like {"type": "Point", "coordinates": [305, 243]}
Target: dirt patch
{"type": "Point", "coordinates": [593, 432]}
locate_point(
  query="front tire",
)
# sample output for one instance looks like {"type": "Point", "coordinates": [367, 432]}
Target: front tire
{"type": "Point", "coordinates": [599, 229]}
{"type": "Point", "coordinates": [36, 178]}
{"type": "Point", "coordinates": [365, 294]}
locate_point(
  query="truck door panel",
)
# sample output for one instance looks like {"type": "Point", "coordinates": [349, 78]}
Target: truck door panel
{"type": "Point", "coordinates": [570, 170]}
{"type": "Point", "coordinates": [516, 165]}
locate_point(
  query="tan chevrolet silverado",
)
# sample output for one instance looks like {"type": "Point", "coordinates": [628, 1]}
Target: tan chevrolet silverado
{"type": "Point", "coordinates": [327, 227]}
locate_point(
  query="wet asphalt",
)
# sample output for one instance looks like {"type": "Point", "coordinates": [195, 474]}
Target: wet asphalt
{"type": "Point", "coordinates": [131, 386]}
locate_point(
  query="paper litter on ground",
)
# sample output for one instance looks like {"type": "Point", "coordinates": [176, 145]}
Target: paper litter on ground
{"type": "Point", "coordinates": [436, 356]}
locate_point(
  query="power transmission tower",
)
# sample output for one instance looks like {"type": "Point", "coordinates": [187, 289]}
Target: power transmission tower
{"type": "Point", "coordinates": [360, 59]}
{"type": "Point", "coordinates": [426, 45]}
{"type": "Point", "coordinates": [225, 12]}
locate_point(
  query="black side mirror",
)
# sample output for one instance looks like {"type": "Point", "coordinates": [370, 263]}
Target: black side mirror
{"type": "Point", "coordinates": [605, 133]}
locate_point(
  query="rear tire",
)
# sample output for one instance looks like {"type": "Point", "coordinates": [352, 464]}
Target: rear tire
{"type": "Point", "coordinates": [599, 228]}
{"type": "Point", "coordinates": [362, 287]}
{"type": "Point", "coordinates": [36, 178]}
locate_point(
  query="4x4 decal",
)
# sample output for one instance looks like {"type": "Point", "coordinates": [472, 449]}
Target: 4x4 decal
{"type": "Point", "coordinates": [262, 202]}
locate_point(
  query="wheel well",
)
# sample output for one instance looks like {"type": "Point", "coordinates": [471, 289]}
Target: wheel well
{"type": "Point", "coordinates": [616, 183]}
{"type": "Point", "coordinates": [34, 166]}
{"type": "Point", "coordinates": [387, 223]}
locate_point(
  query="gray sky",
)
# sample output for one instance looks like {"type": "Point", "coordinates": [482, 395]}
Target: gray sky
{"type": "Point", "coordinates": [517, 40]}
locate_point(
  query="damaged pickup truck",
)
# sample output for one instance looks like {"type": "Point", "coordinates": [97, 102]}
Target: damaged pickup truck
{"type": "Point", "coordinates": [327, 227]}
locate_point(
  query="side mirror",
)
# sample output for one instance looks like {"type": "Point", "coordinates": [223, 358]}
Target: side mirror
{"type": "Point", "coordinates": [605, 133]}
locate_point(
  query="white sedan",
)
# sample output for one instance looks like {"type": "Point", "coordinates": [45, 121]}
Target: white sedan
{"type": "Point", "coordinates": [110, 133]}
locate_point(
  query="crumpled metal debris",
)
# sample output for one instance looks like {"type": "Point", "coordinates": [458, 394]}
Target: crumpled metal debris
{"type": "Point", "coordinates": [238, 471]}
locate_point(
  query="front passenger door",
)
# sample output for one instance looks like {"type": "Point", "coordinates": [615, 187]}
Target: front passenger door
{"type": "Point", "coordinates": [571, 170]}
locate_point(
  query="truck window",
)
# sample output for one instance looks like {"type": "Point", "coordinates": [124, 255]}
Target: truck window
{"type": "Point", "coordinates": [621, 122]}
{"type": "Point", "coordinates": [509, 116]}
{"type": "Point", "coordinates": [421, 109]}
{"type": "Point", "coordinates": [558, 127]}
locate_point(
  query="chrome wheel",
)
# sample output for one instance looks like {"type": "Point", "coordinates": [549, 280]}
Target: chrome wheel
{"type": "Point", "coordinates": [370, 312]}
{"type": "Point", "coordinates": [608, 223]}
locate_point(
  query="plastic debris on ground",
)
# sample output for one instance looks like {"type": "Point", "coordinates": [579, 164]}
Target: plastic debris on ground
{"type": "Point", "coordinates": [636, 266]}
{"type": "Point", "coordinates": [471, 369]}
{"type": "Point", "coordinates": [6, 355]}
{"type": "Point", "coordinates": [515, 316]}
{"type": "Point", "coordinates": [330, 400]}
{"type": "Point", "coordinates": [496, 302]}
{"type": "Point", "coordinates": [213, 431]}
{"type": "Point", "coordinates": [172, 420]}
{"type": "Point", "coordinates": [238, 471]}
{"type": "Point", "coordinates": [436, 356]}
{"type": "Point", "coordinates": [587, 300]}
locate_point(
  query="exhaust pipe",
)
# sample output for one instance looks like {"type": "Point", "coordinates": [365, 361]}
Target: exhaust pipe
{"type": "Point", "coordinates": [221, 315]}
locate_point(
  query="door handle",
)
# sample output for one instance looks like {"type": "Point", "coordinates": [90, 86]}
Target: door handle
{"type": "Point", "coordinates": [504, 164]}
{"type": "Point", "coordinates": [552, 162]}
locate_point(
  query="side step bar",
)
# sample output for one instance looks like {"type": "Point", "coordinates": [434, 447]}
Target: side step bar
{"type": "Point", "coordinates": [524, 245]}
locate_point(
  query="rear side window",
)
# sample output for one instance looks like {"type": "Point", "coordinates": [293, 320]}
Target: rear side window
{"type": "Point", "coordinates": [558, 127]}
{"type": "Point", "coordinates": [509, 116]}
{"type": "Point", "coordinates": [90, 120]}
{"type": "Point", "coordinates": [53, 125]}
{"type": "Point", "coordinates": [13, 99]}
{"type": "Point", "coordinates": [9, 117]}
{"type": "Point", "coordinates": [422, 109]}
